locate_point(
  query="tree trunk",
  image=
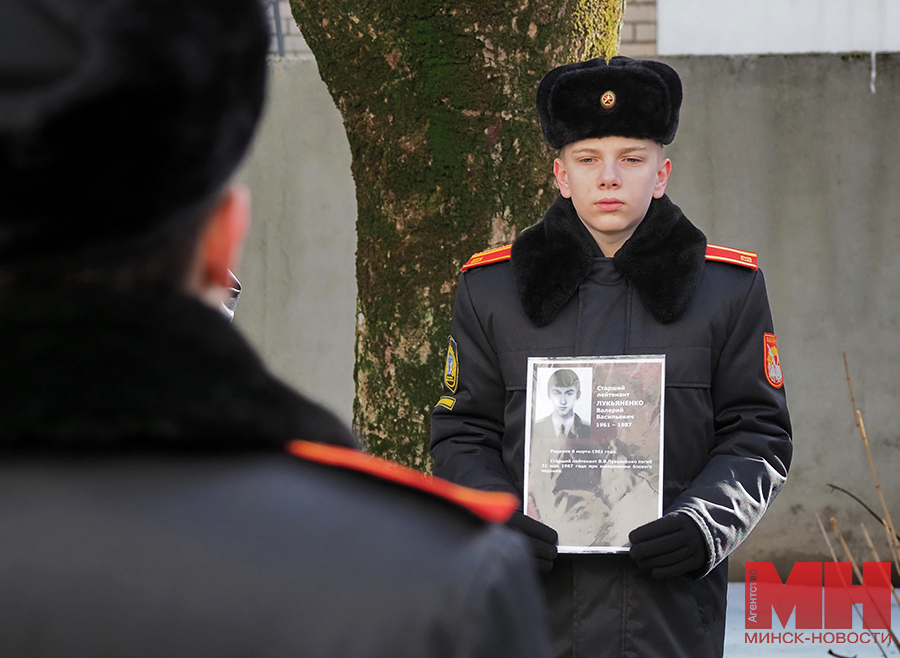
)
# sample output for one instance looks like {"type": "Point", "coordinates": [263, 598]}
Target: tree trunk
{"type": "Point", "coordinates": [448, 159]}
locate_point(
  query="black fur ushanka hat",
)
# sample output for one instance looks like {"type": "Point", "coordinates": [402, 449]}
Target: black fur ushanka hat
{"type": "Point", "coordinates": [625, 98]}
{"type": "Point", "coordinates": [119, 118]}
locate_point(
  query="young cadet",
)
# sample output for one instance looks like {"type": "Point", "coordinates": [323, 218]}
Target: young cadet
{"type": "Point", "coordinates": [615, 268]}
{"type": "Point", "coordinates": [161, 493]}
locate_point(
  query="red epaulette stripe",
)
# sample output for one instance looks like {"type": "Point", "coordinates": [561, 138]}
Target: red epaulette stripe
{"type": "Point", "coordinates": [488, 257]}
{"type": "Point", "coordinates": [490, 506]}
{"type": "Point", "coordinates": [733, 256]}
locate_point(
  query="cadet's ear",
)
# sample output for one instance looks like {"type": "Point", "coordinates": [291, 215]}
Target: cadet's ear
{"type": "Point", "coordinates": [562, 178]}
{"type": "Point", "coordinates": [662, 178]}
{"type": "Point", "coordinates": [223, 237]}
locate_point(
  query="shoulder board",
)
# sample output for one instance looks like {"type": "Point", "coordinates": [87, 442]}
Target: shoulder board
{"type": "Point", "coordinates": [733, 256]}
{"type": "Point", "coordinates": [489, 505]}
{"type": "Point", "coordinates": [488, 257]}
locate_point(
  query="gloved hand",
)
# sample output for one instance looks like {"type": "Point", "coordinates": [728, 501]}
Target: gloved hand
{"type": "Point", "coordinates": [670, 546]}
{"type": "Point", "coordinates": [541, 538]}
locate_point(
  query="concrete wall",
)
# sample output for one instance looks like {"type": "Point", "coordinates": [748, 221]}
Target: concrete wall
{"type": "Point", "coordinates": [794, 157]}
{"type": "Point", "coordinates": [298, 304]}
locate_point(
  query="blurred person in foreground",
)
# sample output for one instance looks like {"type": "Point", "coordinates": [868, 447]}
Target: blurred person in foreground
{"type": "Point", "coordinates": [161, 494]}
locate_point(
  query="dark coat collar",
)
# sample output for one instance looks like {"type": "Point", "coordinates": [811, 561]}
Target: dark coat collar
{"type": "Point", "coordinates": [89, 367]}
{"type": "Point", "coordinates": [663, 260]}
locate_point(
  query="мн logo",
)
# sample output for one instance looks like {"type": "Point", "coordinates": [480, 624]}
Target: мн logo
{"type": "Point", "coordinates": [823, 595]}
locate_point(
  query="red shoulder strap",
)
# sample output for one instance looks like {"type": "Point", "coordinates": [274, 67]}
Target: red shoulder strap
{"type": "Point", "coordinates": [490, 506]}
{"type": "Point", "coordinates": [733, 256]}
{"type": "Point", "coordinates": [488, 257]}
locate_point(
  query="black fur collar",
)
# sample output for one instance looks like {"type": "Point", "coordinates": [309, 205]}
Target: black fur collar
{"type": "Point", "coordinates": [663, 260]}
{"type": "Point", "coordinates": [92, 368]}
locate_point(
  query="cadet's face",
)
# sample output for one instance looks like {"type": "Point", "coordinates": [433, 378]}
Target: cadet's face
{"type": "Point", "coordinates": [563, 400]}
{"type": "Point", "coordinates": [611, 181]}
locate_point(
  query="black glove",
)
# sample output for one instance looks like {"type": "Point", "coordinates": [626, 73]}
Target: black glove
{"type": "Point", "coordinates": [668, 547]}
{"type": "Point", "coordinates": [542, 539]}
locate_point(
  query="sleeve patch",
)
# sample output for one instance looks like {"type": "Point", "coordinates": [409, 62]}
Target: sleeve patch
{"type": "Point", "coordinates": [447, 402]}
{"type": "Point", "coordinates": [772, 363]}
{"type": "Point", "coordinates": [488, 257]}
{"type": "Point", "coordinates": [451, 368]}
{"type": "Point", "coordinates": [495, 506]}
{"type": "Point", "coordinates": [733, 256]}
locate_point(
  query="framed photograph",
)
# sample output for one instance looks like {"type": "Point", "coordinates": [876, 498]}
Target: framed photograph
{"type": "Point", "coordinates": [594, 448]}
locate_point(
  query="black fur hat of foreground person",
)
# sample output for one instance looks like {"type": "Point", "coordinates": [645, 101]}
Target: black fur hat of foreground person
{"type": "Point", "coordinates": [121, 119]}
{"type": "Point", "coordinates": [122, 123]}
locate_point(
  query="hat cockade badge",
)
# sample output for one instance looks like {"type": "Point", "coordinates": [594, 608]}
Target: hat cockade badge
{"type": "Point", "coordinates": [608, 100]}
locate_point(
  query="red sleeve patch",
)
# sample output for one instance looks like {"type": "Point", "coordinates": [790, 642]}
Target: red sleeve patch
{"type": "Point", "coordinates": [733, 256]}
{"type": "Point", "coordinates": [488, 257]}
{"type": "Point", "coordinates": [772, 363]}
{"type": "Point", "coordinates": [488, 505]}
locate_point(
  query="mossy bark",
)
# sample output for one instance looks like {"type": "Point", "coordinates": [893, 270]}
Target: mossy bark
{"type": "Point", "coordinates": [437, 98]}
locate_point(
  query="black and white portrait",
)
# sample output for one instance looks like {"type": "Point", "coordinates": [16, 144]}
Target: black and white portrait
{"type": "Point", "coordinates": [565, 412]}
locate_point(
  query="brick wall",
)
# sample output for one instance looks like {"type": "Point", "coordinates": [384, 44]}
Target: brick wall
{"type": "Point", "coordinates": [638, 30]}
{"type": "Point", "coordinates": [293, 42]}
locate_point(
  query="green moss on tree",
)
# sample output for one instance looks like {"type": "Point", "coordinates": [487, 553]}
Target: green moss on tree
{"type": "Point", "coordinates": [437, 99]}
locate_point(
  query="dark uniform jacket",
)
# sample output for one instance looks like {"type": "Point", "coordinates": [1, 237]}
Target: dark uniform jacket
{"type": "Point", "coordinates": [149, 507]}
{"type": "Point", "coordinates": [727, 444]}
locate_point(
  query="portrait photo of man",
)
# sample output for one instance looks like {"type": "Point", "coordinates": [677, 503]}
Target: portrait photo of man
{"type": "Point", "coordinates": [563, 391]}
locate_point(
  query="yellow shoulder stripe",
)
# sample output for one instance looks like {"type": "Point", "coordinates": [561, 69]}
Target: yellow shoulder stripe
{"type": "Point", "coordinates": [733, 256]}
{"type": "Point", "coordinates": [488, 257]}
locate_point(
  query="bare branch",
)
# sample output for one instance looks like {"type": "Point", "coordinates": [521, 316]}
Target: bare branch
{"type": "Point", "coordinates": [877, 557]}
{"type": "Point", "coordinates": [893, 539]}
{"type": "Point", "coordinates": [859, 575]}
{"type": "Point", "coordinates": [858, 500]}
{"type": "Point", "coordinates": [834, 557]}
{"type": "Point", "coordinates": [837, 655]}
